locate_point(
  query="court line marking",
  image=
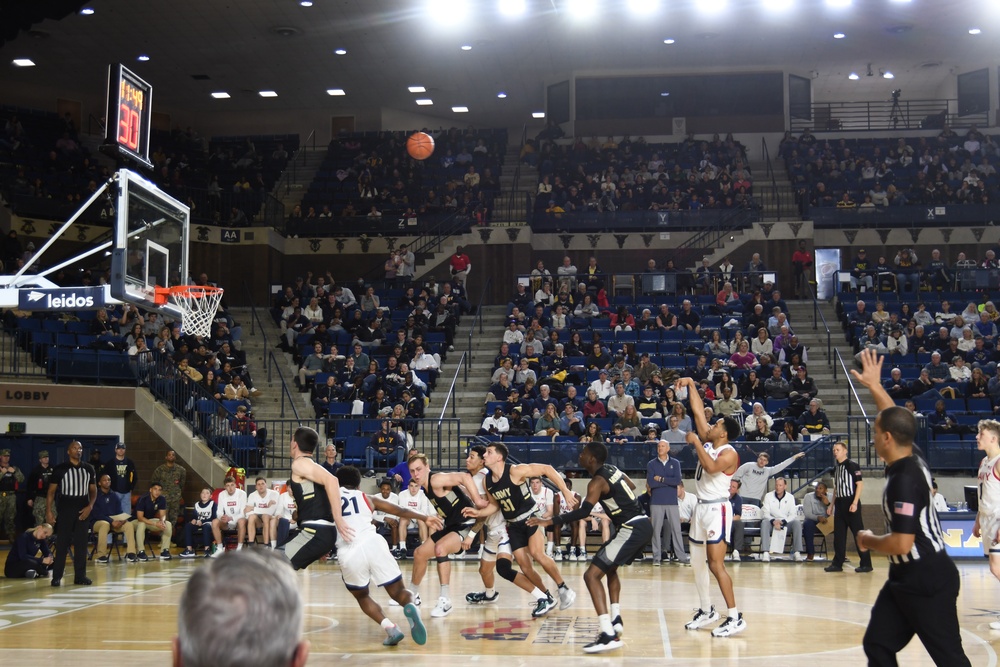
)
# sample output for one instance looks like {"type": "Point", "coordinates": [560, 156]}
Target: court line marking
{"type": "Point", "coordinates": [665, 634]}
{"type": "Point", "coordinates": [136, 641]}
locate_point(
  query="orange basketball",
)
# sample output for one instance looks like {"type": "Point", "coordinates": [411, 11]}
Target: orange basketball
{"type": "Point", "coordinates": [420, 145]}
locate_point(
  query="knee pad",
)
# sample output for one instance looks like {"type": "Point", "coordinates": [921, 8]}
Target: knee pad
{"type": "Point", "coordinates": [506, 570]}
{"type": "Point", "coordinates": [441, 559]}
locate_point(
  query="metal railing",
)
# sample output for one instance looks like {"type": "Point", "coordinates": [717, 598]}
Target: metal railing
{"type": "Point", "coordinates": [271, 362]}
{"type": "Point", "coordinates": [290, 176]}
{"type": "Point", "coordinates": [891, 114]}
{"type": "Point", "coordinates": [450, 399]}
{"type": "Point", "coordinates": [477, 320]}
{"type": "Point", "coordinates": [852, 391]}
{"type": "Point", "coordinates": [512, 198]}
{"type": "Point", "coordinates": [818, 312]}
{"type": "Point", "coordinates": [768, 197]}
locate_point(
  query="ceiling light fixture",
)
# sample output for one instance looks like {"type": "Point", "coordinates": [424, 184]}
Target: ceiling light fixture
{"type": "Point", "coordinates": [425, 102]}
{"type": "Point", "coordinates": [417, 89]}
{"type": "Point", "coordinates": [838, 4]}
{"type": "Point", "coordinates": [466, 47]}
{"type": "Point", "coordinates": [581, 9]}
{"type": "Point", "coordinates": [453, 11]}
{"type": "Point", "coordinates": [341, 52]}
{"type": "Point", "coordinates": [306, 3]}
{"type": "Point", "coordinates": [502, 95]}
{"type": "Point", "coordinates": [335, 92]}
{"type": "Point", "coordinates": [839, 35]}
{"type": "Point", "coordinates": [221, 95]}
{"type": "Point", "coordinates": [538, 114]}
{"type": "Point", "coordinates": [778, 5]}
{"type": "Point", "coordinates": [643, 6]}
{"type": "Point", "coordinates": [974, 31]}
{"type": "Point", "coordinates": [143, 58]}
{"type": "Point", "coordinates": [853, 76]}
{"type": "Point", "coordinates": [669, 40]}
{"type": "Point", "coordinates": [24, 62]}
{"type": "Point", "coordinates": [512, 7]}
{"type": "Point", "coordinates": [87, 11]}
{"type": "Point", "coordinates": [712, 6]}
{"type": "Point", "coordinates": [888, 75]}
{"type": "Point", "coordinates": [664, 94]}
{"type": "Point", "coordinates": [460, 109]}
{"type": "Point", "coordinates": [267, 93]}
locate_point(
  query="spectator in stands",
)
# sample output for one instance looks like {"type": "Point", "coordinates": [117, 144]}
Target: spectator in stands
{"type": "Point", "coordinates": [619, 401]}
{"type": "Point", "coordinates": [496, 424]}
{"type": "Point", "coordinates": [548, 424]}
{"type": "Point", "coordinates": [727, 405]}
{"type": "Point", "coordinates": [688, 319]}
{"type": "Point", "coordinates": [386, 447]}
{"type": "Point", "coordinates": [814, 420]}
{"type": "Point", "coordinates": [602, 385]}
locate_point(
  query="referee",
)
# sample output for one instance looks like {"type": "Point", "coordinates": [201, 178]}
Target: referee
{"type": "Point", "coordinates": [846, 510]}
{"type": "Point", "coordinates": [921, 592]}
{"type": "Point", "coordinates": [72, 492]}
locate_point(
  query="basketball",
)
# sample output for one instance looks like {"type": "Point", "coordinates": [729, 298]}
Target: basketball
{"type": "Point", "coordinates": [420, 145]}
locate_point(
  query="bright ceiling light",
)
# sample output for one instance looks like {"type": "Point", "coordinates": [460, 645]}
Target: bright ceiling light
{"type": "Point", "coordinates": [581, 9]}
{"type": "Point", "coordinates": [87, 11]}
{"type": "Point", "coordinates": [335, 92]}
{"type": "Point", "coordinates": [778, 5]}
{"type": "Point", "coordinates": [712, 6]}
{"type": "Point", "coordinates": [24, 62]}
{"type": "Point", "coordinates": [664, 94]}
{"type": "Point", "coordinates": [888, 75]}
{"type": "Point", "coordinates": [460, 109]}
{"type": "Point", "coordinates": [267, 93]}
{"type": "Point", "coordinates": [974, 31]}
{"type": "Point", "coordinates": [643, 6]}
{"type": "Point", "coordinates": [838, 3]}
{"type": "Point", "coordinates": [221, 95]}
{"type": "Point", "coordinates": [466, 47]}
{"type": "Point", "coordinates": [538, 114]}
{"type": "Point", "coordinates": [839, 35]}
{"type": "Point", "coordinates": [502, 95]}
{"type": "Point", "coordinates": [425, 102]}
{"type": "Point", "coordinates": [512, 7]}
{"type": "Point", "coordinates": [341, 52]}
{"type": "Point", "coordinates": [452, 11]}
{"type": "Point", "coordinates": [143, 58]}
{"type": "Point", "coordinates": [853, 76]}
{"type": "Point", "coordinates": [669, 40]}
{"type": "Point", "coordinates": [306, 3]}
{"type": "Point", "coordinates": [417, 89]}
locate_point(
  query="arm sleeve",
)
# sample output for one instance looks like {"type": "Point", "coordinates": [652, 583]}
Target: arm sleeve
{"type": "Point", "coordinates": [774, 470]}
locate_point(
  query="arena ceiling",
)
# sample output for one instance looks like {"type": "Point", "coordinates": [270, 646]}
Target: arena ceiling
{"type": "Point", "coordinates": [197, 47]}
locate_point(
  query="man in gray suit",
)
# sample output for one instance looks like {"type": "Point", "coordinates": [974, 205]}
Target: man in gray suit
{"type": "Point", "coordinates": [663, 474]}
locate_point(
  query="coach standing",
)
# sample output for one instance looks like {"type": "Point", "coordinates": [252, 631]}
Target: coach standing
{"type": "Point", "coordinates": [921, 594]}
{"type": "Point", "coordinates": [72, 492]}
{"type": "Point", "coordinates": [663, 474]}
{"type": "Point", "coordinates": [846, 509]}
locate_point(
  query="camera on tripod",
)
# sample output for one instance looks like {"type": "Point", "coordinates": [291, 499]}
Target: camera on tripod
{"type": "Point", "coordinates": [896, 93]}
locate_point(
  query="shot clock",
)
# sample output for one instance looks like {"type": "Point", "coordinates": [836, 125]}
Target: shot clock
{"type": "Point", "coordinates": [129, 113]}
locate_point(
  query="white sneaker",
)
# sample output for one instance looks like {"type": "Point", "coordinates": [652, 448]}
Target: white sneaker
{"type": "Point", "coordinates": [442, 608]}
{"type": "Point", "coordinates": [567, 597]}
{"type": "Point", "coordinates": [736, 555]}
{"type": "Point", "coordinates": [732, 626]}
{"type": "Point", "coordinates": [766, 556]}
{"type": "Point", "coordinates": [218, 552]}
{"type": "Point", "coordinates": [416, 601]}
{"type": "Point", "coordinates": [557, 555]}
{"type": "Point", "coordinates": [995, 625]}
{"type": "Point", "coordinates": [797, 557]}
{"type": "Point", "coordinates": [702, 618]}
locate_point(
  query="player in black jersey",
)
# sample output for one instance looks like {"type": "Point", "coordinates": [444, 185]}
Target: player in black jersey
{"type": "Point", "coordinates": [614, 490]}
{"type": "Point", "coordinates": [317, 501]}
{"type": "Point", "coordinates": [509, 493]}
{"type": "Point", "coordinates": [921, 594]}
{"type": "Point", "coordinates": [444, 491]}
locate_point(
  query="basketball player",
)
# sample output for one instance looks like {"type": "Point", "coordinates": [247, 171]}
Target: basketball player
{"type": "Point", "coordinates": [711, 523]}
{"type": "Point", "coordinates": [921, 593]}
{"type": "Point", "coordinates": [507, 486]}
{"type": "Point", "coordinates": [613, 489]}
{"type": "Point", "coordinates": [317, 499]}
{"type": "Point", "coordinates": [444, 492]}
{"type": "Point", "coordinates": [988, 519]}
{"type": "Point", "coordinates": [543, 498]}
{"type": "Point", "coordinates": [367, 557]}
{"type": "Point", "coordinates": [577, 531]}
{"type": "Point", "coordinates": [494, 528]}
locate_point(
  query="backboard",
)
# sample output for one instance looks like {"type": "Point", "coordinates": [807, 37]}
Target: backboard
{"type": "Point", "coordinates": [151, 242]}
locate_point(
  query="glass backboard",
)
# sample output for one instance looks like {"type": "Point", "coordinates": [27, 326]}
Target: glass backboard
{"type": "Point", "coordinates": [151, 242]}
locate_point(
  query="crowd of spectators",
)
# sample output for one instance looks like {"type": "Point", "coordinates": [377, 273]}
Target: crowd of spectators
{"type": "Point", "coordinates": [632, 175]}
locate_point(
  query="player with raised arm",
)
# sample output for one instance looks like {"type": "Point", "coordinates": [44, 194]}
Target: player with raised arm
{"type": "Point", "coordinates": [615, 491]}
{"type": "Point", "coordinates": [711, 523]}
{"type": "Point", "coordinates": [921, 594]}
{"type": "Point", "coordinates": [494, 534]}
{"type": "Point", "coordinates": [367, 558]}
{"type": "Point", "coordinates": [507, 486]}
{"type": "Point", "coordinates": [444, 491]}
{"type": "Point", "coordinates": [987, 523]}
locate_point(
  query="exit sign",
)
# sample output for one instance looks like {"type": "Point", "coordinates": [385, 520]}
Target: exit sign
{"type": "Point", "coordinates": [17, 427]}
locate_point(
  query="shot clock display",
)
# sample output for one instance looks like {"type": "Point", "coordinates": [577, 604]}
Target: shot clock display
{"type": "Point", "coordinates": [129, 112]}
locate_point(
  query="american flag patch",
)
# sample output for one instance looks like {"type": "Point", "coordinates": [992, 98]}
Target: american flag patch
{"type": "Point", "coordinates": [905, 509]}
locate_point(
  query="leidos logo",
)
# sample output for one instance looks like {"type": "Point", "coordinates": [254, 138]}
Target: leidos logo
{"type": "Point", "coordinates": [69, 300]}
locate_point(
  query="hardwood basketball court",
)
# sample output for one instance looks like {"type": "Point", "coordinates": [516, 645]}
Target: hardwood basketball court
{"type": "Point", "coordinates": [796, 613]}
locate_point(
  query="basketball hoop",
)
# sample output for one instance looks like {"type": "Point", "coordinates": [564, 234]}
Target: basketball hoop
{"type": "Point", "coordinates": [197, 304]}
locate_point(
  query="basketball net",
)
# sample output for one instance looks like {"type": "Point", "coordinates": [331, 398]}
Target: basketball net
{"type": "Point", "coordinates": [197, 304]}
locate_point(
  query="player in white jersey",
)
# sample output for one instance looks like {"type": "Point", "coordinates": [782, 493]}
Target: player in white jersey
{"type": "Point", "coordinates": [386, 525]}
{"type": "Point", "coordinates": [988, 518]}
{"type": "Point", "coordinates": [414, 499]}
{"type": "Point", "coordinates": [494, 533]}
{"type": "Point", "coordinates": [543, 498]}
{"type": "Point", "coordinates": [710, 525]}
{"type": "Point", "coordinates": [366, 558]}
{"type": "Point", "coordinates": [577, 531]}
{"type": "Point", "coordinates": [230, 516]}
{"type": "Point", "coordinates": [286, 515]}
{"type": "Point", "coordinates": [262, 507]}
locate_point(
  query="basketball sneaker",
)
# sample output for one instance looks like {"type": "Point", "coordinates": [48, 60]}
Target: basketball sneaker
{"type": "Point", "coordinates": [395, 636]}
{"type": "Point", "coordinates": [557, 555]}
{"type": "Point", "coordinates": [732, 626]}
{"type": "Point", "coordinates": [482, 598]}
{"type": "Point", "coordinates": [702, 618]}
{"type": "Point", "coordinates": [618, 626]}
{"type": "Point", "coordinates": [603, 643]}
{"type": "Point", "coordinates": [543, 606]}
{"type": "Point", "coordinates": [188, 553]}
{"type": "Point", "coordinates": [442, 608]}
{"type": "Point", "coordinates": [143, 557]}
{"type": "Point", "coordinates": [567, 597]}
{"type": "Point", "coordinates": [417, 629]}
{"type": "Point", "coordinates": [766, 557]}
{"type": "Point", "coordinates": [995, 625]}
{"type": "Point", "coordinates": [104, 560]}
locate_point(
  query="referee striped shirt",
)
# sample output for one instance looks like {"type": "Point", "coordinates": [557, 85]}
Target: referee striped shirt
{"type": "Point", "coordinates": [845, 479]}
{"type": "Point", "coordinates": [908, 508]}
{"type": "Point", "coordinates": [74, 481]}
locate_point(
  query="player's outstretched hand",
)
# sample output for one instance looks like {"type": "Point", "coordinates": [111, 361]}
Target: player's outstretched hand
{"type": "Point", "coordinates": [535, 521]}
{"type": "Point", "coordinates": [470, 513]}
{"type": "Point", "coordinates": [871, 368]}
{"type": "Point", "coordinates": [692, 439]}
{"type": "Point", "coordinates": [434, 523]}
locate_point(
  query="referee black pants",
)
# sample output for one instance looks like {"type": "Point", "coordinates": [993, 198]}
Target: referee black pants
{"type": "Point", "coordinates": [918, 598]}
{"type": "Point", "coordinates": [844, 518]}
{"type": "Point", "coordinates": [70, 530]}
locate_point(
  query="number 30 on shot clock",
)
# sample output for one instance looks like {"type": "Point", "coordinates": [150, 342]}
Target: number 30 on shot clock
{"type": "Point", "coordinates": [129, 113]}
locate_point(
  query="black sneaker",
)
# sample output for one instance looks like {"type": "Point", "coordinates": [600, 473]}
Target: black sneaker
{"type": "Point", "coordinates": [475, 598]}
{"type": "Point", "coordinates": [833, 567]}
{"type": "Point", "coordinates": [104, 560]}
{"type": "Point", "coordinates": [30, 574]}
{"type": "Point", "coordinates": [188, 553]}
{"type": "Point", "coordinates": [618, 626]}
{"type": "Point", "coordinates": [543, 606]}
{"type": "Point", "coordinates": [603, 643]}
{"type": "Point", "coordinates": [143, 557]}
{"type": "Point", "coordinates": [864, 568]}
{"type": "Point", "coordinates": [82, 581]}
{"type": "Point", "coordinates": [165, 554]}
{"type": "Point", "coordinates": [130, 558]}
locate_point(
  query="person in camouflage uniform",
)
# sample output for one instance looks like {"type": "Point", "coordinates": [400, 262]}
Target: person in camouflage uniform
{"type": "Point", "coordinates": [171, 477]}
{"type": "Point", "coordinates": [10, 477]}
{"type": "Point", "coordinates": [38, 487]}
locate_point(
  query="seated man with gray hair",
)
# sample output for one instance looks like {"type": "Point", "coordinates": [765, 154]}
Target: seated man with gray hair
{"type": "Point", "coordinates": [261, 624]}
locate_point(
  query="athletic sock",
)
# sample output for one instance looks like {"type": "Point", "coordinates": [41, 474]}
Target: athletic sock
{"type": "Point", "coordinates": [274, 544]}
{"type": "Point", "coordinates": [239, 546]}
{"type": "Point", "coordinates": [538, 594]}
{"type": "Point", "coordinates": [605, 621]}
{"type": "Point", "coordinates": [402, 545]}
{"type": "Point", "coordinates": [563, 585]}
{"type": "Point", "coordinates": [701, 575]}
{"type": "Point", "coordinates": [387, 625]}
{"type": "Point", "coordinates": [415, 589]}
{"type": "Point", "coordinates": [616, 610]}
{"type": "Point", "coordinates": [490, 592]}
{"type": "Point", "coordinates": [734, 612]}
{"type": "Point", "coordinates": [446, 591]}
